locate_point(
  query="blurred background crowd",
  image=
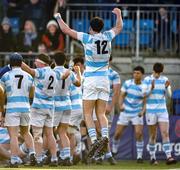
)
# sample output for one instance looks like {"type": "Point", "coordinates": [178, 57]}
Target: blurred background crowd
{"type": "Point", "coordinates": [28, 25]}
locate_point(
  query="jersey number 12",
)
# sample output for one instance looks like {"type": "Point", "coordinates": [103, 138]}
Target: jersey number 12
{"type": "Point", "coordinates": [101, 47]}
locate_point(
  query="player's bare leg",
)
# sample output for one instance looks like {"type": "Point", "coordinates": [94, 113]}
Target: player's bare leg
{"type": "Point", "coordinates": [29, 143]}
{"type": "Point", "coordinates": [164, 129]}
{"type": "Point", "coordinates": [65, 144]}
{"type": "Point", "coordinates": [100, 109]}
{"type": "Point", "coordinates": [48, 131]}
{"type": "Point", "coordinates": [117, 135]}
{"type": "Point", "coordinates": [25, 133]}
{"type": "Point", "coordinates": [152, 141]}
{"type": "Point", "coordinates": [14, 144]}
{"type": "Point", "coordinates": [38, 143]}
{"type": "Point", "coordinates": [139, 142]}
{"type": "Point", "coordinates": [88, 106]}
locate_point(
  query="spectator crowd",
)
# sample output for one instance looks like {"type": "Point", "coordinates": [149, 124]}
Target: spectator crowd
{"type": "Point", "coordinates": [28, 26]}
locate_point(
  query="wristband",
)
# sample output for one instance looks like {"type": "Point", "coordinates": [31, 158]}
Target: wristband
{"type": "Point", "coordinates": [57, 16]}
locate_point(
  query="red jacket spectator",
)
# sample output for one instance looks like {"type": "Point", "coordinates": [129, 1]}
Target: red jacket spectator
{"type": "Point", "coordinates": [53, 38]}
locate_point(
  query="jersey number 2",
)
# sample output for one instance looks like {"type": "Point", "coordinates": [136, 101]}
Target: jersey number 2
{"type": "Point", "coordinates": [20, 77]}
{"type": "Point", "coordinates": [51, 79]}
{"type": "Point", "coordinates": [101, 47]}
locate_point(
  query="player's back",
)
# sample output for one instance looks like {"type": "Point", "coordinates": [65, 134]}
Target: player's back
{"type": "Point", "coordinates": [45, 82]}
{"type": "Point", "coordinates": [97, 48]}
{"type": "Point", "coordinates": [156, 101]}
{"type": "Point", "coordinates": [76, 97]}
{"type": "Point", "coordinates": [62, 90]}
{"type": "Point", "coordinates": [17, 86]}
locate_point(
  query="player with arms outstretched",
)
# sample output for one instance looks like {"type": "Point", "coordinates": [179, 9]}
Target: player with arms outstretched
{"type": "Point", "coordinates": [97, 47]}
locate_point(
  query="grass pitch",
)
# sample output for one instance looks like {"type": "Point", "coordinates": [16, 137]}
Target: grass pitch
{"type": "Point", "coordinates": [122, 165]}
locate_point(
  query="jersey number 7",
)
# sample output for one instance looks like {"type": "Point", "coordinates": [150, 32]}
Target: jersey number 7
{"type": "Point", "coordinates": [20, 77]}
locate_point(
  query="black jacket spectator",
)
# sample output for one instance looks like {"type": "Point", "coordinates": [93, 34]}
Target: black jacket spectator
{"type": "Point", "coordinates": [14, 7]}
{"type": "Point", "coordinates": [36, 12]}
{"type": "Point", "coordinates": [7, 39]}
{"type": "Point", "coordinates": [3, 6]}
{"type": "Point", "coordinates": [163, 29]}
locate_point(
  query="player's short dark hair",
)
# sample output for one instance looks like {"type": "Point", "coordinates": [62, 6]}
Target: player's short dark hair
{"type": "Point", "coordinates": [78, 60]}
{"type": "Point", "coordinates": [139, 68]}
{"type": "Point", "coordinates": [16, 60]}
{"type": "Point", "coordinates": [97, 24]}
{"type": "Point", "coordinates": [60, 58]}
{"type": "Point", "coordinates": [158, 67]}
{"type": "Point", "coordinates": [44, 57]}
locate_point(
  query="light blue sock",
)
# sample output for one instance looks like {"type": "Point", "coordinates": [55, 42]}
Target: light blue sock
{"type": "Point", "coordinates": [53, 158]}
{"type": "Point", "coordinates": [14, 159]}
{"type": "Point", "coordinates": [39, 158]}
{"type": "Point", "coordinates": [61, 155]}
{"type": "Point", "coordinates": [139, 148]}
{"type": "Point", "coordinates": [167, 149]}
{"type": "Point", "coordinates": [105, 132]}
{"type": "Point", "coordinates": [108, 155]}
{"type": "Point", "coordinates": [115, 145]}
{"type": "Point", "coordinates": [152, 151]}
{"type": "Point", "coordinates": [67, 152]}
{"type": "Point", "coordinates": [92, 134]}
{"type": "Point", "coordinates": [31, 151]}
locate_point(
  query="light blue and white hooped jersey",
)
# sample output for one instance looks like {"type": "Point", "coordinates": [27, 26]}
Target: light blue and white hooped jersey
{"type": "Point", "coordinates": [62, 90]}
{"type": "Point", "coordinates": [97, 49]}
{"type": "Point", "coordinates": [133, 101]}
{"type": "Point", "coordinates": [156, 100]}
{"type": "Point", "coordinates": [17, 84]}
{"type": "Point", "coordinates": [114, 79]}
{"type": "Point", "coordinates": [76, 97]}
{"type": "Point", "coordinates": [45, 82]}
{"type": "Point", "coordinates": [4, 136]}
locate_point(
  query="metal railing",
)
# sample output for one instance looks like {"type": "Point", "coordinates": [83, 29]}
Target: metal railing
{"type": "Point", "coordinates": [29, 58]}
{"type": "Point", "coordinates": [144, 32]}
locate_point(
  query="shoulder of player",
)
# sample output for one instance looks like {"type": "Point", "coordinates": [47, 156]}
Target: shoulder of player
{"type": "Point", "coordinates": [128, 82]}
{"type": "Point", "coordinates": [28, 76]}
{"type": "Point", "coordinates": [148, 77]}
{"type": "Point", "coordinates": [164, 77]}
{"type": "Point", "coordinates": [5, 75]}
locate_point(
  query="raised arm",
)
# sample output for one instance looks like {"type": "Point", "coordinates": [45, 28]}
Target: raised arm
{"type": "Point", "coordinates": [64, 27]}
{"type": "Point", "coordinates": [119, 22]}
{"type": "Point", "coordinates": [78, 76]}
{"type": "Point", "coordinates": [29, 70]}
{"type": "Point", "coordinates": [66, 74]}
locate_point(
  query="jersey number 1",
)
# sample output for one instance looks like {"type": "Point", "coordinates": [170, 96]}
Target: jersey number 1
{"type": "Point", "coordinates": [101, 47]}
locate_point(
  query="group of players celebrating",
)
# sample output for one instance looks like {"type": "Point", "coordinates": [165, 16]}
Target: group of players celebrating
{"type": "Point", "coordinates": [64, 98]}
